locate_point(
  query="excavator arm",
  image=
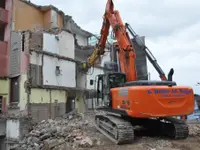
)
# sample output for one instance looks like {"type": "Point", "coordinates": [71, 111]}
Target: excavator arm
{"type": "Point", "coordinates": [126, 49]}
{"type": "Point", "coordinates": [100, 47]}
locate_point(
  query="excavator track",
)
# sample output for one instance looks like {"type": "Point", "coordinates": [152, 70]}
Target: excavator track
{"type": "Point", "coordinates": [170, 127]}
{"type": "Point", "coordinates": [116, 129]}
{"type": "Point", "coordinates": [176, 129]}
{"type": "Point", "coordinates": [121, 131]}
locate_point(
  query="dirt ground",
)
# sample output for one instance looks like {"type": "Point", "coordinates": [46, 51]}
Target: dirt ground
{"type": "Point", "coordinates": [77, 131]}
{"type": "Point", "coordinates": [152, 143]}
{"type": "Point", "coordinates": [149, 143]}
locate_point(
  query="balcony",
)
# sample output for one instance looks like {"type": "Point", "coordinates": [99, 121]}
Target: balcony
{"type": "Point", "coordinates": [3, 16]}
{"type": "Point", "coordinates": [3, 59]}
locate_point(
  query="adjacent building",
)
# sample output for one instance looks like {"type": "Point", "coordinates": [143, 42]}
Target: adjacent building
{"type": "Point", "coordinates": [5, 23]}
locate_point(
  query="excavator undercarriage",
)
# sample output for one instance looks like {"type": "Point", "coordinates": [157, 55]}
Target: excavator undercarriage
{"type": "Point", "coordinates": [121, 129]}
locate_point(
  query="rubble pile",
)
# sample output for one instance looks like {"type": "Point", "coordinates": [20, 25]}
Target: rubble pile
{"type": "Point", "coordinates": [69, 131]}
{"type": "Point", "coordinates": [74, 130]}
{"type": "Point", "coordinates": [194, 129]}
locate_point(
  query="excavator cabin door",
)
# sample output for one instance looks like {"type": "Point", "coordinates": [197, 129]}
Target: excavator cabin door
{"type": "Point", "coordinates": [104, 83]}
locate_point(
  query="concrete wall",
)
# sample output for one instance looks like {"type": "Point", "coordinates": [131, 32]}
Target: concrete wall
{"type": "Point", "coordinates": [105, 57]}
{"type": "Point", "coordinates": [47, 19]}
{"type": "Point", "coordinates": [2, 144]}
{"type": "Point", "coordinates": [44, 103]}
{"type": "Point", "coordinates": [13, 129]}
{"type": "Point", "coordinates": [36, 59]}
{"type": "Point", "coordinates": [7, 31]}
{"type": "Point", "coordinates": [47, 103]}
{"type": "Point", "coordinates": [4, 89]}
{"type": "Point", "coordinates": [81, 81]}
{"type": "Point", "coordinates": [34, 18]}
{"type": "Point", "coordinates": [2, 127]}
{"type": "Point", "coordinates": [16, 129]}
{"type": "Point", "coordinates": [4, 59]}
{"type": "Point", "coordinates": [63, 45]}
{"type": "Point", "coordinates": [83, 41]}
{"type": "Point", "coordinates": [79, 102]}
{"type": "Point", "coordinates": [54, 19]}
{"type": "Point", "coordinates": [15, 53]}
{"type": "Point", "coordinates": [92, 76]}
{"type": "Point", "coordinates": [65, 78]}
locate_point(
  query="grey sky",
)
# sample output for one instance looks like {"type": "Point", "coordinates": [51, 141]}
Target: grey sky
{"type": "Point", "coordinates": [171, 29]}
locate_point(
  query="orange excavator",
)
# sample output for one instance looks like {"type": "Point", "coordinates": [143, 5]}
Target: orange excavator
{"type": "Point", "coordinates": [127, 102]}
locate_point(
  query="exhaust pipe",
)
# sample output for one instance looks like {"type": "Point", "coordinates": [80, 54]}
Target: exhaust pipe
{"type": "Point", "coordinates": [170, 74]}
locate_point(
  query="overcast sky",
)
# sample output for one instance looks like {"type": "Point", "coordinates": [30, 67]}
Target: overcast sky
{"type": "Point", "coordinates": [171, 28]}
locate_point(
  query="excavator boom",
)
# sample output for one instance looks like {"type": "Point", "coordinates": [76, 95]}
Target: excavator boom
{"type": "Point", "coordinates": [126, 54]}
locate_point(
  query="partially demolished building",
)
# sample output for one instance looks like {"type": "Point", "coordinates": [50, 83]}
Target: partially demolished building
{"type": "Point", "coordinates": [41, 79]}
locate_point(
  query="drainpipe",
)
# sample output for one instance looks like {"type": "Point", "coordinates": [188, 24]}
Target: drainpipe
{"type": "Point", "coordinates": [28, 90]}
{"type": "Point", "coordinates": [50, 105]}
{"type": "Point", "coordinates": [28, 84]}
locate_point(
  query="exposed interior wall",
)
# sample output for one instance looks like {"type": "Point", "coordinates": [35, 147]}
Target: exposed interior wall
{"type": "Point", "coordinates": [3, 59]}
{"type": "Point", "coordinates": [83, 41]}
{"type": "Point", "coordinates": [45, 103]}
{"type": "Point", "coordinates": [62, 44]}
{"type": "Point", "coordinates": [4, 89]}
{"type": "Point", "coordinates": [34, 18]}
{"type": "Point", "coordinates": [105, 57]}
{"type": "Point", "coordinates": [54, 19]}
{"type": "Point", "coordinates": [92, 76]}
{"type": "Point", "coordinates": [47, 19]}
{"type": "Point", "coordinates": [13, 129]}
{"type": "Point", "coordinates": [79, 102]}
{"type": "Point", "coordinates": [23, 94]}
{"type": "Point", "coordinates": [42, 96]}
{"type": "Point", "coordinates": [16, 129]}
{"type": "Point", "coordinates": [80, 79]}
{"type": "Point", "coordinates": [15, 53]}
{"type": "Point", "coordinates": [60, 22]}
{"type": "Point", "coordinates": [59, 72]}
{"type": "Point", "coordinates": [8, 30]}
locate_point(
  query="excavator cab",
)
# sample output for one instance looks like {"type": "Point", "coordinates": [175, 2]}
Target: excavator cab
{"type": "Point", "coordinates": [104, 83]}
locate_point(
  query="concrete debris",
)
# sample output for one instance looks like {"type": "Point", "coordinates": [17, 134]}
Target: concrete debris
{"type": "Point", "coordinates": [77, 131]}
{"type": "Point", "coordinates": [194, 129]}
{"type": "Point", "coordinates": [51, 134]}
{"type": "Point", "coordinates": [86, 142]}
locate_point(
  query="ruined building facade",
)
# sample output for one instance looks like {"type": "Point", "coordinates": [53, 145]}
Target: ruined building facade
{"type": "Point", "coordinates": [43, 50]}
{"type": "Point", "coordinates": [39, 55]}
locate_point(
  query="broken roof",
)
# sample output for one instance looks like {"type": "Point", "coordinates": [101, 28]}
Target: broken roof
{"type": "Point", "coordinates": [68, 18]}
{"type": "Point", "coordinates": [43, 8]}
